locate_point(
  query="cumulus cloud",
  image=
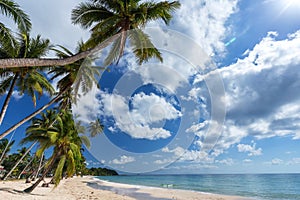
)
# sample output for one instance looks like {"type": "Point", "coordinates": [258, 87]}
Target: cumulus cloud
{"type": "Point", "coordinates": [260, 98]}
{"type": "Point", "coordinates": [228, 161]}
{"type": "Point", "coordinates": [251, 150]}
{"type": "Point", "coordinates": [87, 107]}
{"type": "Point", "coordinates": [16, 95]}
{"type": "Point", "coordinates": [247, 161]}
{"type": "Point", "coordinates": [138, 121]}
{"type": "Point", "coordinates": [276, 161]}
{"type": "Point", "coordinates": [294, 161]}
{"type": "Point", "coordinates": [123, 160]}
{"type": "Point", "coordinates": [57, 19]}
{"type": "Point", "coordinates": [152, 108]}
{"type": "Point", "coordinates": [260, 89]}
{"type": "Point", "coordinates": [208, 20]}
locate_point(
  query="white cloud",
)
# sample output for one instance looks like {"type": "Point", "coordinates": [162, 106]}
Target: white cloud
{"type": "Point", "coordinates": [147, 109]}
{"type": "Point", "coordinates": [151, 108]}
{"type": "Point", "coordinates": [276, 161]}
{"type": "Point", "coordinates": [294, 161]}
{"type": "Point", "coordinates": [260, 90]}
{"type": "Point", "coordinates": [123, 160]}
{"type": "Point", "coordinates": [57, 18]}
{"type": "Point", "coordinates": [228, 161]}
{"type": "Point", "coordinates": [247, 161]}
{"type": "Point", "coordinates": [88, 106]}
{"type": "Point", "coordinates": [178, 151]}
{"type": "Point", "coordinates": [251, 150]}
{"type": "Point", "coordinates": [16, 95]}
{"type": "Point", "coordinates": [205, 22]}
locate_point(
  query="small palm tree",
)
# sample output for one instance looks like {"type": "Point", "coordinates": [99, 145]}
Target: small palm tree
{"type": "Point", "coordinates": [27, 80]}
{"type": "Point", "coordinates": [95, 128]}
{"type": "Point", "coordinates": [24, 154]}
{"type": "Point", "coordinates": [62, 135]}
{"type": "Point", "coordinates": [5, 147]}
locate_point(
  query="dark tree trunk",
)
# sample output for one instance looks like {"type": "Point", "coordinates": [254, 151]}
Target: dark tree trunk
{"type": "Point", "coordinates": [29, 117]}
{"type": "Point", "coordinates": [31, 188]}
{"type": "Point", "coordinates": [44, 62]}
{"type": "Point", "coordinates": [8, 97]}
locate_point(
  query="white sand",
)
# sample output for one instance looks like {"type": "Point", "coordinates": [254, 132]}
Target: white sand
{"type": "Point", "coordinates": [84, 188]}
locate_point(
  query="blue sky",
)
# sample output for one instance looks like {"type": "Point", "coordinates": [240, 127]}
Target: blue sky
{"type": "Point", "coordinates": [160, 116]}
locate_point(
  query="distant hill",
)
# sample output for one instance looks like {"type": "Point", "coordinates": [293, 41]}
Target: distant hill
{"type": "Point", "coordinates": [100, 172]}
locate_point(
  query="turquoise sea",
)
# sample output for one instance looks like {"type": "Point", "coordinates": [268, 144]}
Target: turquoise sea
{"type": "Point", "coordinates": [256, 186]}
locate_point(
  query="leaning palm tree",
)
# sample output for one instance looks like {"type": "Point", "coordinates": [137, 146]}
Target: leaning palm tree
{"type": "Point", "coordinates": [75, 78]}
{"type": "Point", "coordinates": [107, 18]}
{"type": "Point", "coordinates": [23, 152]}
{"type": "Point", "coordinates": [62, 135]}
{"type": "Point", "coordinates": [27, 80]}
{"type": "Point", "coordinates": [141, 14]}
{"type": "Point", "coordinates": [5, 146]}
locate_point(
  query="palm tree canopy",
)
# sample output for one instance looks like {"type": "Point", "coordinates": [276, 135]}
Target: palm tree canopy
{"type": "Point", "coordinates": [110, 17]}
{"type": "Point", "coordinates": [30, 80]}
{"type": "Point", "coordinates": [75, 77]}
{"type": "Point", "coordinates": [5, 146]}
{"type": "Point", "coordinates": [57, 130]}
{"type": "Point", "coordinates": [11, 9]}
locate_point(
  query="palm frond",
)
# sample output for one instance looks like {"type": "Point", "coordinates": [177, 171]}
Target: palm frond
{"type": "Point", "coordinates": [59, 170]}
{"type": "Point", "coordinates": [8, 43]}
{"type": "Point", "coordinates": [5, 84]}
{"type": "Point", "coordinates": [143, 47]}
{"type": "Point", "coordinates": [86, 14]}
{"type": "Point", "coordinates": [71, 163]}
{"type": "Point", "coordinates": [149, 11]}
{"type": "Point", "coordinates": [13, 10]}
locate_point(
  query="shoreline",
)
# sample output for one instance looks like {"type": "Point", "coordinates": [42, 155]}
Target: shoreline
{"type": "Point", "coordinates": [89, 187]}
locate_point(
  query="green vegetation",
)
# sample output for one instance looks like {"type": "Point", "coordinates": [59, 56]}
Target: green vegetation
{"type": "Point", "coordinates": [100, 172]}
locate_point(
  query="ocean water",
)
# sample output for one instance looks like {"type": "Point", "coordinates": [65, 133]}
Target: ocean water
{"type": "Point", "coordinates": [256, 186]}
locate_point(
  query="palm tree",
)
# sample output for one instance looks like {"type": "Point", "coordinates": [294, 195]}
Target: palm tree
{"type": "Point", "coordinates": [27, 80]}
{"type": "Point", "coordinates": [110, 20]}
{"type": "Point", "coordinates": [95, 127]}
{"type": "Point", "coordinates": [11, 9]}
{"type": "Point", "coordinates": [112, 17]}
{"type": "Point", "coordinates": [142, 13]}
{"type": "Point", "coordinates": [63, 136]}
{"type": "Point", "coordinates": [74, 78]}
{"type": "Point", "coordinates": [24, 152]}
{"type": "Point", "coordinates": [5, 147]}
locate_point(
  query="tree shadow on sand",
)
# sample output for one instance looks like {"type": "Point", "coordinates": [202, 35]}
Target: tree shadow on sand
{"type": "Point", "coordinates": [18, 192]}
{"type": "Point", "coordinates": [131, 192]}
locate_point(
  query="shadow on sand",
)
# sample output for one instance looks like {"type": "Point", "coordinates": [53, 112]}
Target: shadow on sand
{"type": "Point", "coordinates": [131, 192]}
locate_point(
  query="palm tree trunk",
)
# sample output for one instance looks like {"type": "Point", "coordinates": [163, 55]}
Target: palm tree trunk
{"type": "Point", "coordinates": [26, 167]}
{"type": "Point", "coordinates": [5, 149]}
{"type": "Point", "coordinates": [8, 97]}
{"type": "Point", "coordinates": [12, 169]}
{"type": "Point", "coordinates": [46, 62]}
{"type": "Point", "coordinates": [31, 188]}
{"type": "Point", "coordinates": [29, 117]}
{"type": "Point", "coordinates": [39, 167]}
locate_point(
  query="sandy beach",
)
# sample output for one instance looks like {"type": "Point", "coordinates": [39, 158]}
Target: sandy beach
{"type": "Point", "coordinates": [90, 189]}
